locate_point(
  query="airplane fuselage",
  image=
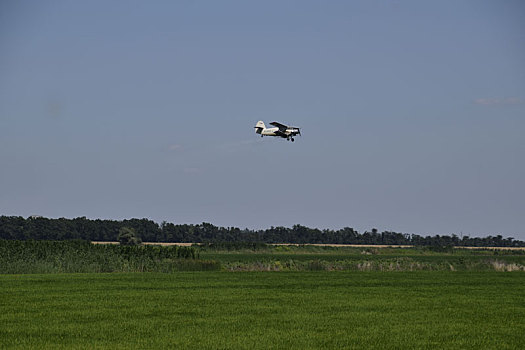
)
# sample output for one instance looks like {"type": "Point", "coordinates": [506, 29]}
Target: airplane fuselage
{"type": "Point", "coordinates": [269, 132]}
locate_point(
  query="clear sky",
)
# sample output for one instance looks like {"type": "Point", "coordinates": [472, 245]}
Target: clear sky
{"type": "Point", "coordinates": [412, 112]}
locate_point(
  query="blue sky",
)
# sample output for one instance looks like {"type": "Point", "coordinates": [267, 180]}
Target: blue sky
{"type": "Point", "coordinates": [413, 113]}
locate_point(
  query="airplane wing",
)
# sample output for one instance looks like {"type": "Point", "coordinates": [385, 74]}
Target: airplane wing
{"type": "Point", "coordinates": [280, 133]}
{"type": "Point", "coordinates": [279, 125]}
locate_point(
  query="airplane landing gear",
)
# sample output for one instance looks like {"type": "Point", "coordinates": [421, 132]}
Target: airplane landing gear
{"type": "Point", "coordinates": [292, 139]}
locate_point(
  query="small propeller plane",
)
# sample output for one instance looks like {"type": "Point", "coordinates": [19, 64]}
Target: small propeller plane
{"type": "Point", "coordinates": [284, 131]}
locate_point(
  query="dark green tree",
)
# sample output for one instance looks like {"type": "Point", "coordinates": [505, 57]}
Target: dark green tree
{"type": "Point", "coordinates": [128, 236]}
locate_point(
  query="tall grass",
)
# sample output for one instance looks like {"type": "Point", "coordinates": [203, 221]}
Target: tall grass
{"type": "Point", "coordinates": [82, 256]}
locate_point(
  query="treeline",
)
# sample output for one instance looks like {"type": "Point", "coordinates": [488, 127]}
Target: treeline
{"type": "Point", "coordinates": [39, 228]}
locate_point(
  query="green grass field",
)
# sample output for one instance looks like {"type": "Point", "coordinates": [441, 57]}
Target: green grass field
{"type": "Point", "coordinates": [262, 310]}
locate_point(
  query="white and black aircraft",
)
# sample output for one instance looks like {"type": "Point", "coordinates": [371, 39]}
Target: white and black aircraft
{"type": "Point", "coordinates": [281, 130]}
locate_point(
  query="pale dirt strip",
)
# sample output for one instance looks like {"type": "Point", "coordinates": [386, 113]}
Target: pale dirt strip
{"type": "Point", "coordinates": [152, 243]}
{"type": "Point", "coordinates": [493, 248]}
{"type": "Point", "coordinates": [326, 245]}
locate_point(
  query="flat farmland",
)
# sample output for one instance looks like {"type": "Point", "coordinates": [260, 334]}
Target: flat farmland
{"type": "Point", "coordinates": [283, 258]}
{"type": "Point", "coordinates": [261, 310]}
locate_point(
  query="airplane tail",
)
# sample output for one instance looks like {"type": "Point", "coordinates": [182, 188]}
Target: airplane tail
{"type": "Point", "coordinates": [259, 127]}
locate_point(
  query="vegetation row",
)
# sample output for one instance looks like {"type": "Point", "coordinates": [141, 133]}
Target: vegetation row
{"type": "Point", "coordinates": [40, 228]}
{"type": "Point", "coordinates": [20, 257]}
{"type": "Point", "coordinates": [82, 256]}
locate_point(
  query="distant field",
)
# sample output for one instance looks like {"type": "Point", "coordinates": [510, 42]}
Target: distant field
{"type": "Point", "coordinates": [261, 310]}
{"type": "Point", "coordinates": [328, 245]}
{"type": "Point", "coordinates": [301, 258]}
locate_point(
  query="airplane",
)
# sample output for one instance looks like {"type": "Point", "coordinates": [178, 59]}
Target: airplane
{"type": "Point", "coordinates": [284, 131]}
